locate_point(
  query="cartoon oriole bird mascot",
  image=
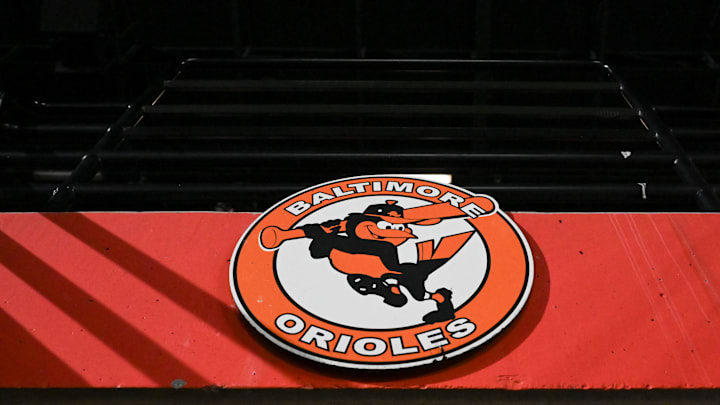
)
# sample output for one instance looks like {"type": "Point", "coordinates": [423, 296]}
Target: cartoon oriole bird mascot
{"type": "Point", "coordinates": [364, 246]}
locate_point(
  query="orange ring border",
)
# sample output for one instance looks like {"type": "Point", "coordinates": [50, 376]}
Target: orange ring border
{"type": "Point", "coordinates": [421, 357]}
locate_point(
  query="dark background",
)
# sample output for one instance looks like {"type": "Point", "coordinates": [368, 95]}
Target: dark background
{"type": "Point", "coordinates": [635, 34]}
{"type": "Point", "coordinates": [78, 78]}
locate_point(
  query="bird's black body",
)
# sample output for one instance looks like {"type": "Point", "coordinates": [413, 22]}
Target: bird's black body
{"type": "Point", "coordinates": [381, 278]}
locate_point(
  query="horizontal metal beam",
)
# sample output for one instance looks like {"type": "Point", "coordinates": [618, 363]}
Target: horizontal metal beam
{"type": "Point", "coordinates": [220, 110]}
{"type": "Point", "coordinates": [391, 63]}
{"type": "Point", "coordinates": [413, 133]}
{"type": "Point", "coordinates": [158, 191]}
{"type": "Point", "coordinates": [289, 159]}
{"type": "Point", "coordinates": [388, 85]}
{"type": "Point", "coordinates": [52, 128]}
{"type": "Point", "coordinates": [39, 158]}
{"type": "Point", "coordinates": [705, 159]}
{"type": "Point", "coordinates": [78, 106]}
{"type": "Point", "coordinates": [16, 193]}
{"type": "Point", "coordinates": [706, 134]}
{"type": "Point", "coordinates": [686, 109]}
{"type": "Point", "coordinates": [576, 197]}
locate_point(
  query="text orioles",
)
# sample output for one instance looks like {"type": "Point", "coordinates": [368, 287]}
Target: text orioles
{"type": "Point", "coordinates": [371, 346]}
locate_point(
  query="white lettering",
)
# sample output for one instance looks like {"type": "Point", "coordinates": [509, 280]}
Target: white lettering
{"type": "Point", "coordinates": [338, 191]}
{"type": "Point", "coordinates": [453, 199]}
{"type": "Point", "coordinates": [343, 343]}
{"type": "Point", "coordinates": [376, 186]}
{"type": "Point", "coordinates": [290, 324]}
{"type": "Point", "coordinates": [401, 188]}
{"type": "Point", "coordinates": [398, 348]}
{"type": "Point", "coordinates": [359, 187]}
{"type": "Point", "coordinates": [428, 191]}
{"type": "Point", "coordinates": [377, 346]}
{"type": "Point", "coordinates": [432, 339]}
{"type": "Point", "coordinates": [473, 210]}
{"type": "Point", "coordinates": [298, 207]}
{"type": "Point", "coordinates": [320, 197]}
{"type": "Point", "coordinates": [460, 328]}
{"type": "Point", "coordinates": [319, 335]}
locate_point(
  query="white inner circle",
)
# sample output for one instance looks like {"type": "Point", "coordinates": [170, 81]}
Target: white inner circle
{"type": "Point", "coordinates": [324, 292]}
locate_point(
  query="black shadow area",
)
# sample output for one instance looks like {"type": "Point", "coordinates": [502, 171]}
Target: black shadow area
{"type": "Point", "coordinates": [25, 359]}
{"type": "Point", "coordinates": [143, 353]}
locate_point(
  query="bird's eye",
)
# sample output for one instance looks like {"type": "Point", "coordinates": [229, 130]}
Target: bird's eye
{"type": "Point", "coordinates": [384, 225]}
{"type": "Point", "coordinates": [399, 227]}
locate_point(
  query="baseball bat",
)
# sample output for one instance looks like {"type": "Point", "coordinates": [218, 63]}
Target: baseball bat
{"type": "Point", "coordinates": [272, 236]}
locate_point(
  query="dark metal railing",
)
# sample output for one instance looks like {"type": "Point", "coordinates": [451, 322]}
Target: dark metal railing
{"type": "Point", "coordinates": [239, 134]}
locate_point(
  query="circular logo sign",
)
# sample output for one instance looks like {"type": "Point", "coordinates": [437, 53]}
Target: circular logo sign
{"type": "Point", "coordinates": [381, 272]}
